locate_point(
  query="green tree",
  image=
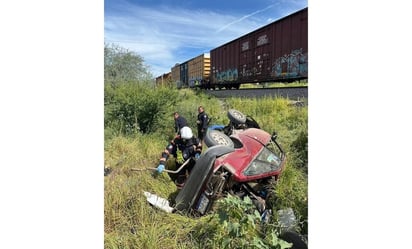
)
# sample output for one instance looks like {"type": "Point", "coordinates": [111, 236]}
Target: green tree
{"type": "Point", "coordinates": [122, 65]}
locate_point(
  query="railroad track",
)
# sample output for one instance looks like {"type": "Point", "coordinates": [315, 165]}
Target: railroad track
{"type": "Point", "coordinates": [293, 93]}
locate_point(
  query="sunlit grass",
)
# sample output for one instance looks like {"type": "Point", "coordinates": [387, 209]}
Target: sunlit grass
{"type": "Point", "coordinates": [131, 222]}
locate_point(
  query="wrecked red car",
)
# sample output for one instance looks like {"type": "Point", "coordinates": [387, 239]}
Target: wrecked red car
{"type": "Point", "coordinates": [241, 160]}
{"type": "Point", "coordinates": [248, 162]}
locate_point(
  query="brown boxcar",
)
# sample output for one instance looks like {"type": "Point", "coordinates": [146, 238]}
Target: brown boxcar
{"type": "Point", "coordinates": [193, 72]}
{"type": "Point", "coordinates": [175, 71]}
{"type": "Point", "coordinates": [274, 53]}
{"type": "Point", "coordinates": [164, 79]}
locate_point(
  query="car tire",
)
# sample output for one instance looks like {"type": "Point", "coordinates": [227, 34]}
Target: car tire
{"type": "Point", "coordinates": [236, 116]}
{"type": "Point", "coordinates": [215, 137]}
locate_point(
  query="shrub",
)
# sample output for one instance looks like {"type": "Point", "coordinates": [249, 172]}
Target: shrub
{"type": "Point", "coordinates": [236, 224]}
{"type": "Point", "coordinates": [131, 107]}
{"type": "Point", "coordinates": [138, 124]}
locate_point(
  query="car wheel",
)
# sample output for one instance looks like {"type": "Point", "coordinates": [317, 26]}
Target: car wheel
{"type": "Point", "coordinates": [236, 116]}
{"type": "Point", "coordinates": [215, 137]}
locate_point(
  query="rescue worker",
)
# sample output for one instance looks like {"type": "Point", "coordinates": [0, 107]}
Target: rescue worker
{"type": "Point", "coordinates": [183, 147]}
{"type": "Point", "coordinates": [202, 122]}
{"type": "Point", "coordinates": [180, 122]}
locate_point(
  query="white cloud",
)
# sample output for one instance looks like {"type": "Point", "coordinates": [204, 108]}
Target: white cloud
{"type": "Point", "coordinates": [166, 36]}
{"type": "Point", "coordinates": [244, 17]}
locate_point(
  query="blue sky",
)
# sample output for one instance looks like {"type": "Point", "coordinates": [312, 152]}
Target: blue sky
{"type": "Point", "coordinates": [52, 98]}
{"type": "Point", "coordinates": [168, 32]}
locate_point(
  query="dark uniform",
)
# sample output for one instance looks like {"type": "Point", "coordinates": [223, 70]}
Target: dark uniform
{"type": "Point", "coordinates": [202, 122]}
{"type": "Point", "coordinates": [181, 150]}
{"type": "Point", "coordinates": [180, 122]}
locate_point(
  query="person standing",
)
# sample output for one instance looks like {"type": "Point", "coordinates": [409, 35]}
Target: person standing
{"type": "Point", "coordinates": [202, 122]}
{"type": "Point", "coordinates": [180, 122]}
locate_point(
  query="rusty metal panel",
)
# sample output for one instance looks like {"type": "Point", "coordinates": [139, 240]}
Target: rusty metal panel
{"type": "Point", "coordinates": [275, 52]}
{"type": "Point", "coordinates": [290, 58]}
{"type": "Point", "coordinates": [175, 77]}
{"type": "Point", "coordinates": [260, 60]}
{"type": "Point", "coordinates": [164, 79]}
{"type": "Point", "coordinates": [225, 62]}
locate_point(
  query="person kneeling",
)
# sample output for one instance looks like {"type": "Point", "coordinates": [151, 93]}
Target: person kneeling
{"type": "Point", "coordinates": [182, 148]}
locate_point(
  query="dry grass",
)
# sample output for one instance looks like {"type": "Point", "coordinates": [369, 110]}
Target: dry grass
{"type": "Point", "coordinates": [130, 222]}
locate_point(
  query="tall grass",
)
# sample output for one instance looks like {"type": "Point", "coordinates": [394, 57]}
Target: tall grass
{"type": "Point", "coordinates": [130, 221]}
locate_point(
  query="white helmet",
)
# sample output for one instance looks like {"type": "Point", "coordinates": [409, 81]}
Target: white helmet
{"type": "Point", "coordinates": [186, 133]}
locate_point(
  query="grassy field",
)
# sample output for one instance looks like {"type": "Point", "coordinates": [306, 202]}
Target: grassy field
{"type": "Point", "coordinates": [130, 222]}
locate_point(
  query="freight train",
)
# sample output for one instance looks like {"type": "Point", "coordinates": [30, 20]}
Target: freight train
{"type": "Point", "coordinates": [277, 52]}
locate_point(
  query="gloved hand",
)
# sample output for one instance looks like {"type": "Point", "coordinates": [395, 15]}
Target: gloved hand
{"type": "Point", "coordinates": [197, 155]}
{"type": "Point", "coordinates": [160, 168]}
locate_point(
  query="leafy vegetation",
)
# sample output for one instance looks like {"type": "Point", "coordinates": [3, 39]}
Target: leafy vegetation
{"type": "Point", "coordinates": [237, 224]}
{"type": "Point", "coordinates": [133, 107]}
{"type": "Point", "coordinates": [122, 65]}
{"type": "Point", "coordinates": [130, 222]}
{"type": "Point", "coordinates": [138, 125]}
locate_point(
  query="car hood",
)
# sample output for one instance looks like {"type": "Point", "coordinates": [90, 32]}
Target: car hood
{"type": "Point", "coordinates": [248, 144]}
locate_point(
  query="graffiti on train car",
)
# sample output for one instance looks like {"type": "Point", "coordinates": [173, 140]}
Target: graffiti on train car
{"type": "Point", "coordinates": [291, 65]}
{"type": "Point", "coordinates": [195, 81]}
{"type": "Point", "coordinates": [228, 75]}
{"type": "Point", "coordinates": [276, 52]}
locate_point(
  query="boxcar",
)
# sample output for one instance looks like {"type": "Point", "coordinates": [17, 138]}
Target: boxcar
{"type": "Point", "coordinates": [198, 70]}
{"type": "Point", "coordinates": [192, 73]}
{"type": "Point", "coordinates": [164, 79]}
{"type": "Point", "coordinates": [175, 74]}
{"type": "Point", "coordinates": [277, 52]}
